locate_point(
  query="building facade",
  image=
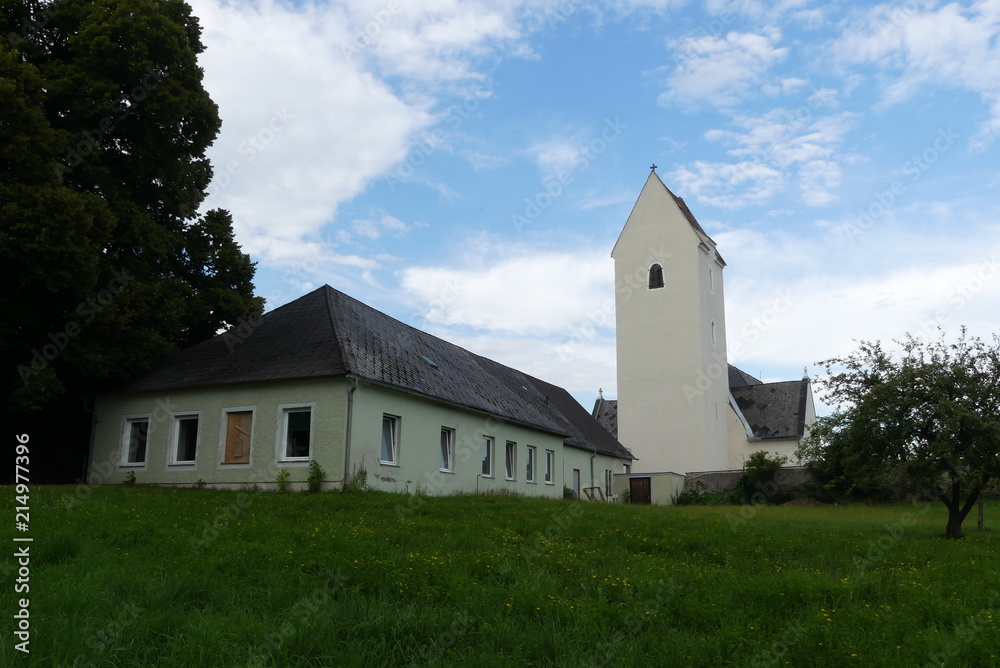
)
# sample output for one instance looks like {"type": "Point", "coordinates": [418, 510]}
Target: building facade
{"type": "Point", "coordinates": [328, 379]}
{"type": "Point", "coordinates": [681, 406]}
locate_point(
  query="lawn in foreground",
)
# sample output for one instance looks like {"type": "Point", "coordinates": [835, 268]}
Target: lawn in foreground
{"type": "Point", "coordinates": [139, 576]}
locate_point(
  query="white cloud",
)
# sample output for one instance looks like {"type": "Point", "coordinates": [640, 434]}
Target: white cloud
{"type": "Point", "coordinates": [721, 71]}
{"type": "Point", "coordinates": [558, 155]}
{"type": "Point", "coordinates": [772, 148]}
{"type": "Point", "coordinates": [377, 224]}
{"type": "Point", "coordinates": [800, 310]}
{"type": "Point", "coordinates": [525, 291]}
{"type": "Point", "coordinates": [950, 46]}
{"type": "Point", "coordinates": [728, 185]}
{"type": "Point", "coordinates": [323, 121]}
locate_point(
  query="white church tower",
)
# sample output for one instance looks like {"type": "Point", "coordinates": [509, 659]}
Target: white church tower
{"type": "Point", "coordinates": [673, 384]}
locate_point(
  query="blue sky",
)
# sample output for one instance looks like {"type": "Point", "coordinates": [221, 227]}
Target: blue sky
{"type": "Point", "coordinates": [467, 166]}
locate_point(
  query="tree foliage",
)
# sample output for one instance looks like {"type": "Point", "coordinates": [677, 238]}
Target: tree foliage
{"type": "Point", "coordinates": [925, 422]}
{"type": "Point", "coordinates": [106, 263]}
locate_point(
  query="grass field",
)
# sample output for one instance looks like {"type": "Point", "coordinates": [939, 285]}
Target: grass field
{"type": "Point", "coordinates": [162, 577]}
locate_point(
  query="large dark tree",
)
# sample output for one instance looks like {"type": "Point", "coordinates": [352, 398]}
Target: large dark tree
{"type": "Point", "coordinates": [927, 421]}
{"type": "Point", "coordinates": [105, 264]}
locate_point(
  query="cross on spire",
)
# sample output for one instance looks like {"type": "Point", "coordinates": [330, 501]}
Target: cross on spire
{"type": "Point", "coordinates": [653, 167]}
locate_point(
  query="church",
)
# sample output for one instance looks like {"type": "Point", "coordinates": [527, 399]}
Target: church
{"type": "Point", "coordinates": [681, 407]}
{"type": "Point", "coordinates": [327, 381]}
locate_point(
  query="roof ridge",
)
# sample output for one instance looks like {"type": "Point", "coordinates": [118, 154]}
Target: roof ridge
{"type": "Point", "coordinates": [329, 293]}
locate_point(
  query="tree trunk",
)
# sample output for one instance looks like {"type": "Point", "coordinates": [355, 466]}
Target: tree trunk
{"type": "Point", "coordinates": [979, 519]}
{"type": "Point", "coordinates": [954, 527]}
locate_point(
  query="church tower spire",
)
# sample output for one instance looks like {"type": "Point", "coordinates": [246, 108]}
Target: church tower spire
{"type": "Point", "coordinates": [673, 382]}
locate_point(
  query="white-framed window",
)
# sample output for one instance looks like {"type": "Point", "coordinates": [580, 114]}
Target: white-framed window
{"type": "Point", "coordinates": [510, 460]}
{"type": "Point", "coordinates": [295, 432]}
{"type": "Point", "coordinates": [447, 449]}
{"type": "Point", "coordinates": [184, 438]}
{"type": "Point", "coordinates": [488, 456]}
{"type": "Point", "coordinates": [550, 467]}
{"type": "Point", "coordinates": [713, 333]}
{"type": "Point", "coordinates": [529, 472]}
{"type": "Point", "coordinates": [390, 440]}
{"type": "Point", "coordinates": [135, 440]}
{"type": "Point", "coordinates": [237, 434]}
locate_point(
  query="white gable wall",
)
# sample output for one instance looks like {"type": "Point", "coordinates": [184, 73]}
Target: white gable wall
{"type": "Point", "coordinates": [672, 381]}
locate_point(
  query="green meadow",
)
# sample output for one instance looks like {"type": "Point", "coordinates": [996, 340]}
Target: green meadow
{"type": "Point", "coordinates": [134, 576]}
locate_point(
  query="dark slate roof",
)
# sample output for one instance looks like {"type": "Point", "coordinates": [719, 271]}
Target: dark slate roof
{"type": "Point", "coordinates": [327, 333]}
{"type": "Point", "coordinates": [292, 341]}
{"type": "Point", "coordinates": [774, 410]}
{"type": "Point", "coordinates": [740, 378]}
{"type": "Point", "coordinates": [690, 217]}
{"type": "Point", "coordinates": [606, 413]}
{"type": "Point", "coordinates": [585, 432]}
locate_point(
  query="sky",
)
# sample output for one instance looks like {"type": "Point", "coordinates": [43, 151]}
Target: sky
{"type": "Point", "coordinates": [466, 167]}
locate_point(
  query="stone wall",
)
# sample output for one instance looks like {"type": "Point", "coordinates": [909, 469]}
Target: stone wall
{"type": "Point", "coordinates": [790, 479]}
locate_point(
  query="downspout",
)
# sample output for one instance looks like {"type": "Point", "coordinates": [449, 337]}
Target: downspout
{"type": "Point", "coordinates": [90, 446]}
{"type": "Point", "coordinates": [347, 439]}
{"type": "Point", "coordinates": [592, 457]}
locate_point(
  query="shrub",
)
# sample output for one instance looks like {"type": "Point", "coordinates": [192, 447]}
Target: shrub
{"type": "Point", "coordinates": [283, 480]}
{"type": "Point", "coordinates": [357, 481]}
{"type": "Point", "coordinates": [757, 485]}
{"type": "Point", "coordinates": [693, 498]}
{"type": "Point", "coordinates": [129, 479]}
{"type": "Point", "coordinates": [316, 476]}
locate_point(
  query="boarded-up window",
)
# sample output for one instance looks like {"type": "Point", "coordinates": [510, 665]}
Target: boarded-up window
{"type": "Point", "coordinates": [238, 434]}
{"type": "Point", "coordinates": [655, 277]}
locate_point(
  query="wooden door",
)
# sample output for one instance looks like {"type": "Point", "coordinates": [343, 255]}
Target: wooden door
{"type": "Point", "coordinates": [640, 491]}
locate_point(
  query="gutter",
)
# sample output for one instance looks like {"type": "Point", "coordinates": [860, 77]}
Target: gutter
{"type": "Point", "coordinates": [347, 439]}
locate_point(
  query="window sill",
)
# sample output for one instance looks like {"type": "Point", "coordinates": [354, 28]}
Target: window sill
{"type": "Point", "coordinates": [186, 465]}
{"type": "Point", "coordinates": [297, 460]}
{"type": "Point", "coordinates": [446, 471]}
{"type": "Point", "coordinates": [511, 479]}
{"type": "Point", "coordinates": [134, 465]}
{"type": "Point", "coordinates": [234, 464]}
{"type": "Point", "coordinates": [394, 464]}
{"type": "Point", "coordinates": [531, 482]}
